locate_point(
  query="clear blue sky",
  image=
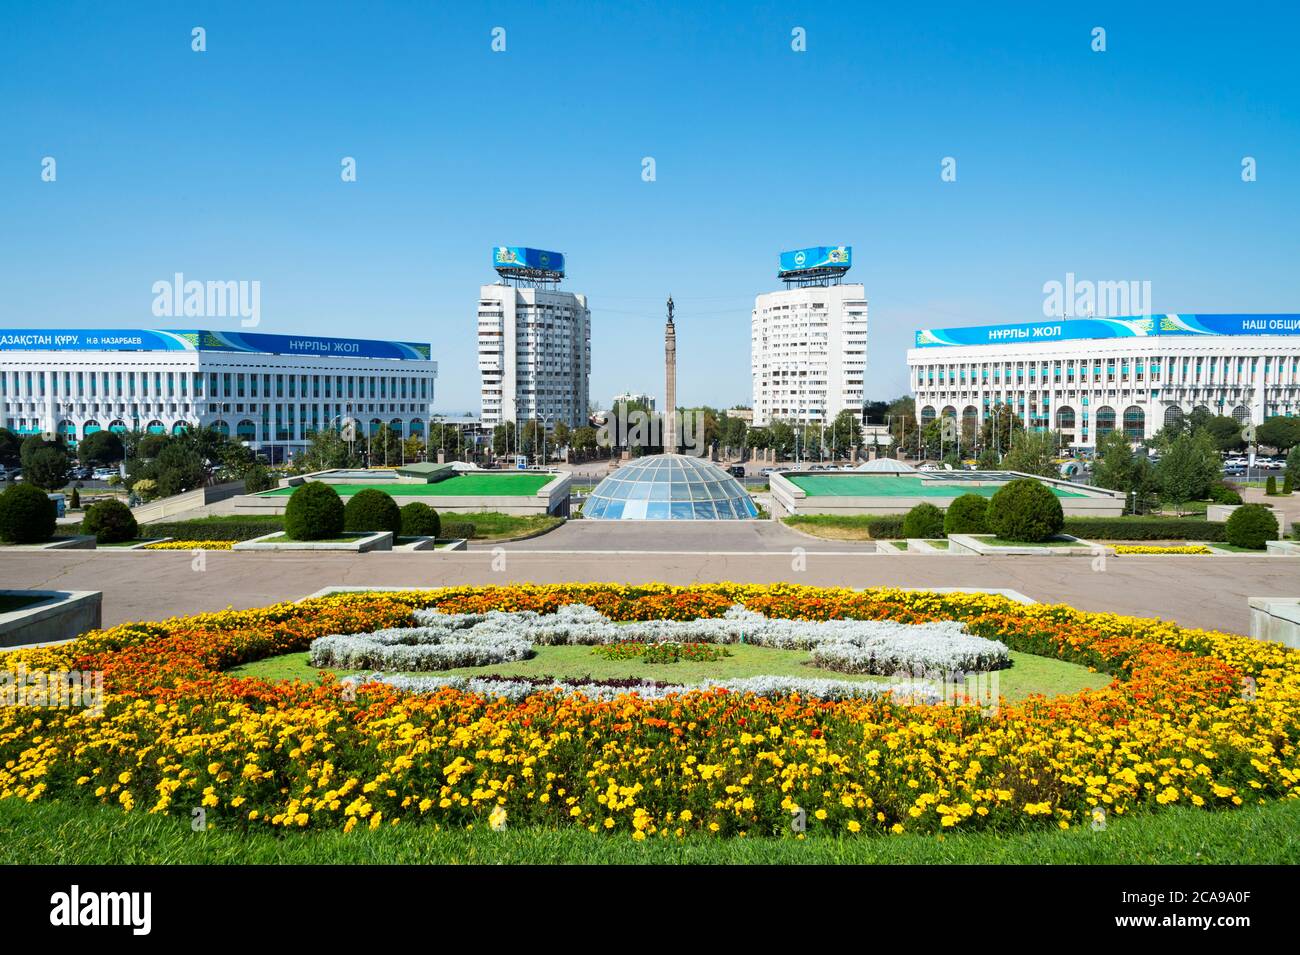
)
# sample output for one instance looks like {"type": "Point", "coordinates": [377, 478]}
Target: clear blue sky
{"type": "Point", "coordinates": [225, 165]}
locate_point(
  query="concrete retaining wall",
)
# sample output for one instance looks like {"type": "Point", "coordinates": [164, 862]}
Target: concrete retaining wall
{"type": "Point", "coordinates": [64, 615]}
{"type": "Point", "coordinates": [1276, 619]}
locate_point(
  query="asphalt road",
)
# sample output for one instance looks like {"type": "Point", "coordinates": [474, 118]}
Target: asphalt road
{"type": "Point", "coordinates": [1195, 591]}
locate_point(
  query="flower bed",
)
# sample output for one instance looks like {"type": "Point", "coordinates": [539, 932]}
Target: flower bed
{"type": "Point", "coordinates": [1195, 718]}
{"type": "Point", "coordinates": [668, 651]}
{"type": "Point", "coordinates": [1171, 549]}
{"type": "Point", "coordinates": [190, 545]}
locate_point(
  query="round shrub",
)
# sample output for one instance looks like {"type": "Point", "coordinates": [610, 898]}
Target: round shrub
{"type": "Point", "coordinates": [258, 479]}
{"type": "Point", "coordinates": [372, 510]}
{"type": "Point", "coordinates": [967, 515]}
{"type": "Point", "coordinates": [1250, 526]}
{"type": "Point", "coordinates": [314, 511]}
{"type": "Point", "coordinates": [1025, 510]}
{"type": "Point", "coordinates": [420, 520]}
{"type": "Point", "coordinates": [110, 521]}
{"type": "Point", "coordinates": [1221, 492]}
{"type": "Point", "coordinates": [924, 520]}
{"type": "Point", "coordinates": [27, 515]}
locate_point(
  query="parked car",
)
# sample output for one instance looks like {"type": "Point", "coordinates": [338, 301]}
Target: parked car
{"type": "Point", "coordinates": [736, 470]}
{"type": "Point", "coordinates": [103, 474]}
{"type": "Point", "coordinates": [767, 472]}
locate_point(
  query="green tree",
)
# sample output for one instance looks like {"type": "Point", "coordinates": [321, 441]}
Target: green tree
{"type": "Point", "coordinates": [100, 448]}
{"type": "Point", "coordinates": [10, 448]}
{"type": "Point", "coordinates": [179, 468]}
{"type": "Point", "coordinates": [1225, 432]}
{"type": "Point", "coordinates": [1033, 452]}
{"type": "Point", "coordinates": [998, 427]}
{"type": "Point", "coordinates": [327, 450]}
{"type": "Point", "coordinates": [560, 435]}
{"type": "Point", "coordinates": [584, 440]}
{"type": "Point", "coordinates": [1113, 467]}
{"type": "Point", "coordinates": [845, 434]}
{"type": "Point", "coordinates": [46, 467]}
{"type": "Point", "coordinates": [1187, 469]}
{"type": "Point", "coordinates": [1282, 433]}
{"type": "Point", "coordinates": [1293, 466]}
{"type": "Point", "coordinates": [782, 439]}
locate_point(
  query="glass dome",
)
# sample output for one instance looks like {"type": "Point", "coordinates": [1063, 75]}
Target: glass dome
{"type": "Point", "coordinates": [669, 487]}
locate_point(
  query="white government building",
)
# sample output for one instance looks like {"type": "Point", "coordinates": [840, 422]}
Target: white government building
{"type": "Point", "coordinates": [534, 343]}
{"type": "Point", "coordinates": [1089, 376]}
{"type": "Point", "coordinates": [808, 342]}
{"type": "Point", "coordinates": [271, 391]}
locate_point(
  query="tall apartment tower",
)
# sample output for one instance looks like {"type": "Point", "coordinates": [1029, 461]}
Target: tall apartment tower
{"type": "Point", "coordinates": [534, 343]}
{"type": "Point", "coordinates": [809, 341]}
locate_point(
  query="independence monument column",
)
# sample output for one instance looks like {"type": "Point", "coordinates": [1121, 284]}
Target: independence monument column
{"type": "Point", "coordinates": [670, 383]}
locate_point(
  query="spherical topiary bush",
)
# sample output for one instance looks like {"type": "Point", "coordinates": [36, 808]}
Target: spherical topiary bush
{"type": "Point", "coordinates": [420, 520]}
{"type": "Point", "coordinates": [111, 522]}
{"type": "Point", "coordinates": [1221, 492]}
{"type": "Point", "coordinates": [314, 511]}
{"type": "Point", "coordinates": [1250, 526]}
{"type": "Point", "coordinates": [967, 515]}
{"type": "Point", "coordinates": [924, 520]}
{"type": "Point", "coordinates": [27, 515]}
{"type": "Point", "coordinates": [372, 510]}
{"type": "Point", "coordinates": [1025, 510]}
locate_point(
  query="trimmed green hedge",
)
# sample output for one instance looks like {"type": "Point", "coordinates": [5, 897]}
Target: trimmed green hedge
{"type": "Point", "coordinates": [1139, 529]}
{"type": "Point", "coordinates": [232, 530]}
{"type": "Point", "coordinates": [455, 530]}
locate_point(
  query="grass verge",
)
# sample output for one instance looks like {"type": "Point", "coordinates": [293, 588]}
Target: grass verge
{"type": "Point", "coordinates": [57, 833]}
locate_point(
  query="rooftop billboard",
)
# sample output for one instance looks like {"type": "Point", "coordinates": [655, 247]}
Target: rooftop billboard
{"type": "Point", "coordinates": [519, 257]}
{"type": "Point", "coordinates": [145, 339]}
{"type": "Point", "coordinates": [817, 257]}
{"type": "Point", "coordinates": [1132, 326]}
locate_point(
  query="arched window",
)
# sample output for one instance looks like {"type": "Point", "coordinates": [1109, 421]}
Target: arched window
{"type": "Point", "coordinates": [246, 430]}
{"type": "Point", "coordinates": [1135, 421]}
{"type": "Point", "coordinates": [222, 428]}
{"type": "Point", "coordinates": [156, 427]}
{"type": "Point", "coordinates": [395, 426]}
{"type": "Point", "coordinates": [949, 411]}
{"type": "Point", "coordinates": [927, 414]}
{"type": "Point", "coordinates": [417, 427]}
{"type": "Point", "coordinates": [375, 425]}
{"type": "Point", "coordinates": [1105, 420]}
{"type": "Point", "coordinates": [1241, 414]}
{"type": "Point", "coordinates": [118, 426]}
{"type": "Point", "coordinates": [1065, 419]}
{"type": "Point", "coordinates": [1173, 415]}
{"type": "Point", "coordinates": [180, 427]}
{"type": "Point", "coordinates": [89, 428]}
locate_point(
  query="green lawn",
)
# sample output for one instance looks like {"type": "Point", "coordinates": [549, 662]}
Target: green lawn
{"type": "Point", "coordinates": [493, 525]}
{"type": "Point", "coordinates": [877, 485]}
{"type": "Point", "coordinates": [349, 538]}
{"type": "Point", "coordinates": [53, 833]}
{"type": "Point", "coordinates": [1224, 545]}
{"type": "Point", "coordinates": [938, 544]}
{"type": "Point", "coordinates": [469, 485]}
{"type": "Point", "coordinates": [847, 527]}
{"type": "Point", "coordinates": [1028, 673]}
{"type": "Point", "coordinates": [900, 544]}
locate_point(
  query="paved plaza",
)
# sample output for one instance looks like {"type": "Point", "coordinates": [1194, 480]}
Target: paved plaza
{"type": "Point", "coordinates": [1194, 591]}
